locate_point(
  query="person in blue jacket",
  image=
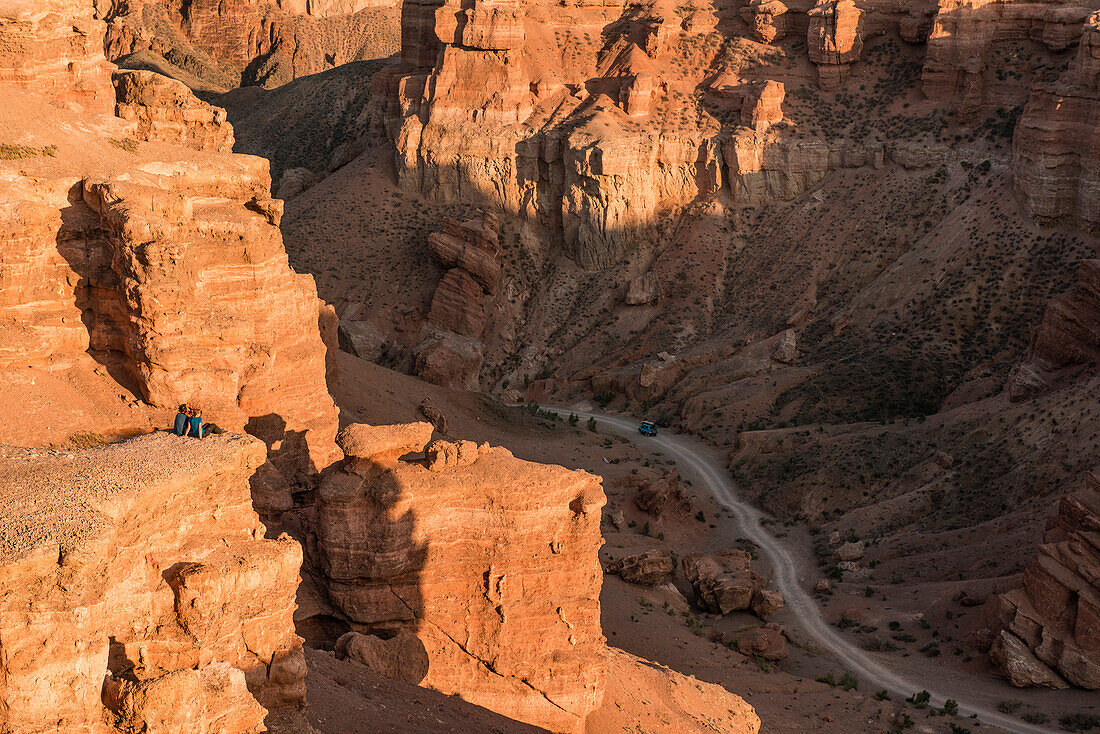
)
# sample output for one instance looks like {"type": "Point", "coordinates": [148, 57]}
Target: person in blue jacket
{"type": "Point", "coordinates": [194, 423]}
{"type": "Point", "coordinates": [182, 420]}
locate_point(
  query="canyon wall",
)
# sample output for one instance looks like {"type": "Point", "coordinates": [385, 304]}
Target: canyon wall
{"type": "Point", "coordinates": [470, 571]}
{"type": "Point", "coordinates": [1056, 156]}
{"type": "Point", "coordinates": [143, 244]}
{"type": "Point", "coordinates": [229, 44]}
{"type": "Point", "coordinates": [139, 593]}
{"type": "Point", "coordinates": [1051, 631]}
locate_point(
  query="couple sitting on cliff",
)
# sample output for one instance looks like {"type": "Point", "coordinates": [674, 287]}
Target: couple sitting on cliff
{"type": "Point", "coordinates": [189, 423]}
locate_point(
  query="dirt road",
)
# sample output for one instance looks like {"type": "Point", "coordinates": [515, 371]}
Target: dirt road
{"type": "Point", "coordinates": [876, 672]}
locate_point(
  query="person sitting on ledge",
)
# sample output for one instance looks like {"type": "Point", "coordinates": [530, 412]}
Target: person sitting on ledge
{"type": "Point", "coordinates": [194, 423]}
{"type": "Point", "coordinates": [182, 420]}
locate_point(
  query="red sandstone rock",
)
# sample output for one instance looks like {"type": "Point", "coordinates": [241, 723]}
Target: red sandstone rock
{"type": "Point", "coordinates": [165, 110]}
{"type": "Point", "coordinates": [54, 49]}
{"type": "Point", "coordinates": [768, 19]}
{"type": "Point", "coordinates": [490, 563]}
{"type": "Point", "coordinates": [152, 572]}
{"type": "Point", "coordinates": [724, 582]}
{"type": "Point", "coordinates": [762, 107]}
{"type": "Point", "coordinates": [834, 39]}
{"type": "Point", "coordinates": [1052, 623]}
{"type": "Point", "coordinates": [765, 642]}
{"type": "Point", "coordinates": [766, 602]}
{"type": "Point", "coordinates": [1070, 331]}
{"type": "Point", "coordinates": [1055, 160]}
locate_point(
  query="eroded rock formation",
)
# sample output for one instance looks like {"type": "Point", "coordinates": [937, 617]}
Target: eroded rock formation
{"type": "Point", "coordinates": [724, 582]}
{"type": "Point", "coordinates": [164, 264]}
{"type": "Point", "coordinates": [140, 593]}
{"type": "Point", "coordinates": [488, 560]}
{"type": "Point", "coordinates": [1056, 158]}
{"type": "Point", "coordinates": [1051, 623]}
{"type": "Point", "coordinates": [240, 42]}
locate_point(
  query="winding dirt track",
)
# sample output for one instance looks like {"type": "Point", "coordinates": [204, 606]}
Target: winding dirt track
{"type": "Point", "coordinates": [687, 452]}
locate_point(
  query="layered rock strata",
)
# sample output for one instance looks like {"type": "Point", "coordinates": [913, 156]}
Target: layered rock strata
{"type": "Point", "coordinates": [1051, 631]}
{"type": "Point", "coordinates": [241, 42]}
{"type": "Point", "coordinates": [166, 266]}
{"type": "Point", "coordinates": [964, 66]}
{"type": "Point", "coordinates": [165, 110]}
{"type": "Point", "coordinates": [55, 48]}
{"type": "Point", "coordinates": [140, 593]}
{"type": "Point", "coordinates": [1056, 157]}
{"type": "Point", "coordinates": [452, 347]}
{"type": "Point", "coordinates": [488, 560]}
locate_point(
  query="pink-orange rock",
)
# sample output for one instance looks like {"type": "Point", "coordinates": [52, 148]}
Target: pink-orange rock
{"type": "Point", "coordinates": [1055, 616]}
{"type": "Point", "coordinates": [762, 107]}
{"type": "Point", "coordinates": [491, 565]}
{"type": "Point", "coordinates": [834, 39]}
{"type": "Point", "coordinates": [169, 270]}
{"type": "Point", "coordinates": [54, 49]}
{"type": "Point", "coordinates": [384, 444]}
{"type": "Point", "coordinates": [144, 588]}
{"type": "Point", "coordinates": [768, 19]}
{"type": "Point", "coordinates": [165, 110]}
{"type": "Point", "coordinates": [1056, 160]}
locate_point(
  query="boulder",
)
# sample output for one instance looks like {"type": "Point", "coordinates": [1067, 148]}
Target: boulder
{"type": "Point", "coordinates": [434, 414]}
{"type": "Point", "coordinates": [767, 642]}
{"type": "Point", "coordinates": [766, 602]}
{"type": "Point", "coordinates": [786, 348]}
{"type": "Point", "coordinates": [849, 551]}
{"type": "Point", "coordinates": [648, 568]}
{"type": "Point", "coordinates": [401, 657]}
{"type": "Point", "coordinates": [664, 495]}
{"type": "Point", "coordinates": [724, 582]}
{"type": "Point", "coordinates": [1020, 665]}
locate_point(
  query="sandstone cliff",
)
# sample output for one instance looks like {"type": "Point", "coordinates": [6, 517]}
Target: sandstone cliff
{"type": "Point", "coordinates": [1056, 160]}
{"type": "Point", "coordinates": [222, 45]}
{"type": "Point", "coordinates": [159, 264]}
{"type": "Point", "coordinates": [1051, 628]}
{"type": "Point", "coordinates": [477, 570]}
{"type": "Point", "coordinates": [139, 593]}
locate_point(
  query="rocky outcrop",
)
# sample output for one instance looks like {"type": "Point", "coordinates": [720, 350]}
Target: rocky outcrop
{"type": "Point", "coordinates": [961, 63]}
{"type": "Point", "coordinates": [470, 250]}
{"type": "Point", "coordinates": [488, 560]}
{"type": "Point", "coordinates": [451, 352]}
{"type": "Point", "coordinates": [1051, 624]}
{"type": "Point", "coordinates": [230, 43]}
{"type": "Point", "coordinates": [166, 111]}
{"type": "Point", "coordinates": [54, 48]}
{"type": "Point", "coordinates": [664, 495]}
{"type": "Point", "coordinates": [724, 582]}
{"type": "Point", "coordinates": [139, 591]}
{"type": "Point", "coordinates": [1069, 333]}
{"type": "Point", "coordinates": [766, 643]}
{"type": "Point", "coordinates": [768, 19]}
{"type": "Point", "coordinates": [169, 270]}
{"type": "Point", "coordinates": [834, 40]}
{"type": "Point", "coordinates": [1056, 161]}
{"type": "Point", "coordinates": [648, 568]}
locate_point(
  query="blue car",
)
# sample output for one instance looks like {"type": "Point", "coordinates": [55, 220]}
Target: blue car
{"type": "Point", "coordinates": [647, 428]}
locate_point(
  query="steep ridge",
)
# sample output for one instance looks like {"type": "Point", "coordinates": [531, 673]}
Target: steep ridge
{"type": "Point", "coordinates": [1054, 149]}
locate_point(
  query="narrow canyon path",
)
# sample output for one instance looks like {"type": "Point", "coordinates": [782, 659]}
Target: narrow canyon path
{"type": "Point", "coordinates": [874, 671]}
